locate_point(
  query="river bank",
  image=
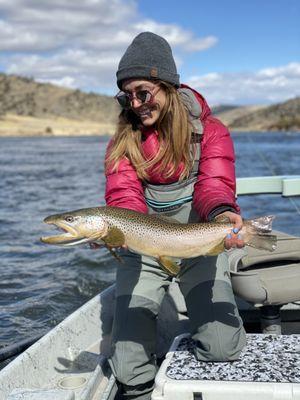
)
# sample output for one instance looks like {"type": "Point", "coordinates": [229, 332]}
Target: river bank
{"type": "Point", "coordinates": [20, 125]}
{"type": "Point", "coordinates": [12, 125]}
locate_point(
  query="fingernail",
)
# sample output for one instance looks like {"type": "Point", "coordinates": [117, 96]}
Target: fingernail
{"type": "Point", "coordinates": [229, 236]}
{"type": "Point", "coordinates": [235, 230]}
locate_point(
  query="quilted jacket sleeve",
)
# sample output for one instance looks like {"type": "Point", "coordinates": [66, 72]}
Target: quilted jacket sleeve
{"type": "Point", "coordinates": [214, 191]}
{"type": "Point", "coordinates": [124, 189]}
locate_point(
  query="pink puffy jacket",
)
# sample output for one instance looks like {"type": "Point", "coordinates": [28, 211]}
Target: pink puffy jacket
{"type": "Point", "coordinates": [215, 186]}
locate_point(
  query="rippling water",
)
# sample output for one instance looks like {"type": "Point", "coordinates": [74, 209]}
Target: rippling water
{"type": "Point", "coordinates": [40, 284]}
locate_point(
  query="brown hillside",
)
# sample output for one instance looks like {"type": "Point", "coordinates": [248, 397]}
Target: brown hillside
{"type": "Point", "coordinates": [228, 117]}
{"type": "Point", "coordinates": [282, 116]}
{"type": "Point", "coordinates": [23, 96]}
{"type": "Point", "coordinates": [32, 108]}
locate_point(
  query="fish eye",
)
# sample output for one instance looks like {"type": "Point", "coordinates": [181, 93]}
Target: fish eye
{"type": "Point", "coordinates": [69, 218]}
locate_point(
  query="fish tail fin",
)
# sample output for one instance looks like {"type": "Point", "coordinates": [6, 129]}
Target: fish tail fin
{"type": "Point", "coordinates": [258, 233]}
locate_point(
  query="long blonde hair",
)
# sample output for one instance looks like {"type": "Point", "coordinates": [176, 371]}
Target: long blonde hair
{"type": "Point", "coordinates": [174, 135]}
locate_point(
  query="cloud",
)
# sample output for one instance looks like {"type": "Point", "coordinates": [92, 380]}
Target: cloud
{"type": "Point", "coordinates": [177, 37]}
{"type": "Point", "coordinates": [29, 26]}
{"type": "Point", "coordinates": [79, 43]}
{"type": "Point", "coordinates": [269, 85]}
{"type": "Point", "coordinates": [73, 68]}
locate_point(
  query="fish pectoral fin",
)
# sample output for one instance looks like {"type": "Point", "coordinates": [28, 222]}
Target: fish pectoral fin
{"type": "Point", "coordinates": [114, 238]}
{"type": "Point", "coordinates": [215, 251]}
{"type": "Point", "coordinates": [169, 265]}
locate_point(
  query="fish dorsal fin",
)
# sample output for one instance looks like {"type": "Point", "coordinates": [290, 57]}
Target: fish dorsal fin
{"type": "Point", "coordinates": [114, 238]}
{"type": "Point", "coordinates": [169, 265]}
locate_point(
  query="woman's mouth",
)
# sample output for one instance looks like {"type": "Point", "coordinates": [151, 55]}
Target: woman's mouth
{"type": "Point", "coordinates": [145, 114]}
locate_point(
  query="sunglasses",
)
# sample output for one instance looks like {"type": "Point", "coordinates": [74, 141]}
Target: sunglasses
{"type": "Point", "coordinates": [144, 96]}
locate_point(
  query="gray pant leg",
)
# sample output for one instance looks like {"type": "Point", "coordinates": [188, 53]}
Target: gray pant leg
{"type": "Point", "coordinates": [140, 288]}
{"type": "Point", "coordinates": [215, 322]}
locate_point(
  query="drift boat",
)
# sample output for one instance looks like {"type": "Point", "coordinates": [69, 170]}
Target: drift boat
{"type": "Point", "coordinates": [70, 362]}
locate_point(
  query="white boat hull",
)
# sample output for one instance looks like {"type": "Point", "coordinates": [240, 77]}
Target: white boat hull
{"type": "Point", "coordinates": [70, 359]}
{"type": "Point", "coordinates": [70, 362]}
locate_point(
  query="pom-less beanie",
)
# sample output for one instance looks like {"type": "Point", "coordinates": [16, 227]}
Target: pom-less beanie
{"type": "Point", "coordinates": [149, 56]}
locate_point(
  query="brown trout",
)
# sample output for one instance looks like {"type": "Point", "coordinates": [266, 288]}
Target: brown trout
{"type": "Point", "coordinates": [154, 236]}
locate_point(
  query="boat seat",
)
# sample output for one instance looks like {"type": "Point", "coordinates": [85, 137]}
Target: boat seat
{"type": "Point", "coordinates": [265, 278]}
{"type": "Point", "coordinates": [267, 369]}
{"type": "Point", "coordinates": [259, 277]}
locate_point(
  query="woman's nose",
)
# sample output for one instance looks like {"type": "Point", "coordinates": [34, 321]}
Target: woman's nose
{"type": "Point", "coordinates": [135, 103]}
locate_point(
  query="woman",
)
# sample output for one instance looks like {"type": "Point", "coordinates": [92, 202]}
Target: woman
{"type": "Point", "coordinates": [172, 157]}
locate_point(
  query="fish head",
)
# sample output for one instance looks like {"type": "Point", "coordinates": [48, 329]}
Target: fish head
{"type": "Point", "coordinates": [78, 227]}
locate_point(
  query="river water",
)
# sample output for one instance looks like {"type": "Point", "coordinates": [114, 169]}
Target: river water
{"type": "Point", "coordinates": [39, 284]}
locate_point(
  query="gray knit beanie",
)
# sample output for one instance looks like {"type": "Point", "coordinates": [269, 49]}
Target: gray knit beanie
{"type": "Point", "coordinates": [149, 56]}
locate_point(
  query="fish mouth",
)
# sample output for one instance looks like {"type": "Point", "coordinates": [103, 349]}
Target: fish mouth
{"type": "Point", "coordinates": [69, 236]}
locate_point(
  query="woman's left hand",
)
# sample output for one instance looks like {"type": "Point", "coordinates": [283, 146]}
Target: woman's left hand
{"type": "Point", "coordinates": [234, 238]}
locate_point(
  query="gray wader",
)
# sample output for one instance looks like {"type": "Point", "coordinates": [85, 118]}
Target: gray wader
{"type": "Point", "coordinates": [140, 288]}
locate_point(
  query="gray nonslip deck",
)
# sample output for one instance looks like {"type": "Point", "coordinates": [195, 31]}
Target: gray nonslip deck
{"type": "Point", "coordinates": [266, 358]}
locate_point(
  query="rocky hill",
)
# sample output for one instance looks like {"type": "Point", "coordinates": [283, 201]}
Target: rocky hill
{"type": "Point", "coordinates": [283, 116]}
{"type": "Point", "coordinates": [230, 114]}
{"type": "Point", "coordinates": [31, 108]}
{"type": "Point", "coordinates": [222, 108]}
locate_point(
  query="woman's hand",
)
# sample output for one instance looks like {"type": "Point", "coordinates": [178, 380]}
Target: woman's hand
{"type": "Point", "coordinates": [234, 238]}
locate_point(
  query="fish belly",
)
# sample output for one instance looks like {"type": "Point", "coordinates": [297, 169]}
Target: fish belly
{"type": "Point", "coordinates": [178, 246]}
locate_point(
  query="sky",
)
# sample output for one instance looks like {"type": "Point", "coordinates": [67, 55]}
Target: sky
{"type": "Point", "coordinates": [231, 51]}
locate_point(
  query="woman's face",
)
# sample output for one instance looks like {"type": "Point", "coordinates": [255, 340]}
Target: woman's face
{"type": "Point", "coordinates": [148, 112]}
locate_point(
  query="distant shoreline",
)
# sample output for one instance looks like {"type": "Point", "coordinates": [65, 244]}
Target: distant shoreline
{"type": "Point", "coordinates": [29, 108]}
{"type": "Point", "coordinates": [21, 125]}
{"type": "Point", "coordinates": [12, 125]}
{"type": "Point", "coordinates": [20, 135]}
